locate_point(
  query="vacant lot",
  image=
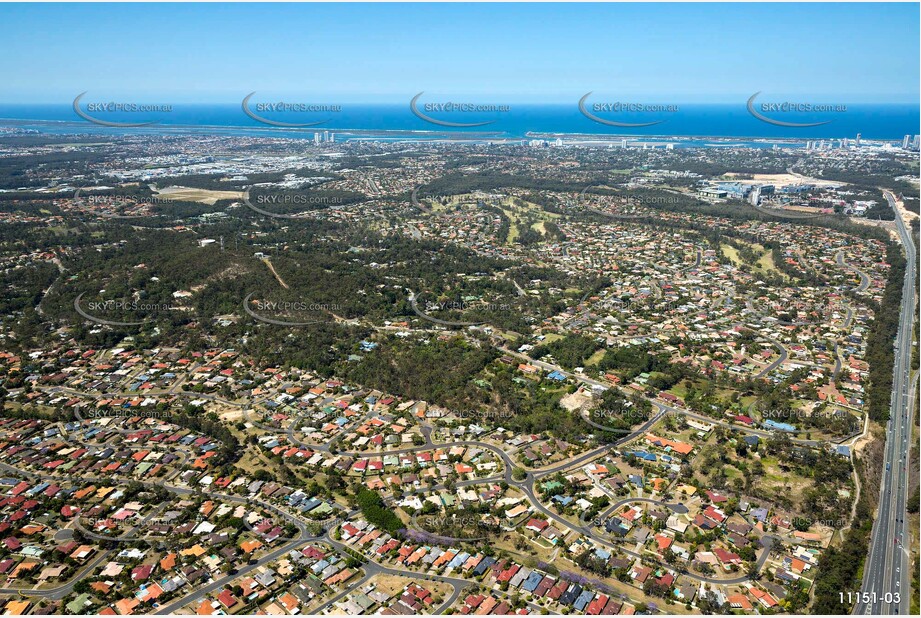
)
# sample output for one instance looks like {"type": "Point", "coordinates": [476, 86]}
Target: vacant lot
{"type": "Point", "coordinates": [205, 196]}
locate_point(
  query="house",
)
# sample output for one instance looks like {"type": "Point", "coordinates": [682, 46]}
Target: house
{"type": "Point", "coordinates": [727, 558]}
{"type": "Point", "coordinates": [17, 608]}
{"type": "Point", "coordinates": [227, 599]}
{"type": "Point", "coordinates": [739, 601]}
{"type": "Point", "coordinates": [537, 525]}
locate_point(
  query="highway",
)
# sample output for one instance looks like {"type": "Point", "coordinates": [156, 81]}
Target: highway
{"type": "Point", "coordinates": [886, 584]}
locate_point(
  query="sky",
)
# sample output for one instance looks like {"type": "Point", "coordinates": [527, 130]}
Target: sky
{"type": "Point", "coordinates": [501, 53]}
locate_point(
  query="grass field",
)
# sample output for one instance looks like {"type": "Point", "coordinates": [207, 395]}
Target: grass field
{"type": "Point", "coordinates": [730, 252]}
{"type": "Point", "coordinates": [595, 358]}
{"type": "Point", "coordinates": [764, 264]}
{"type": "Point", "coordinates": [520, 213]}
{"type": "Point", "coordinates": [204, 196]}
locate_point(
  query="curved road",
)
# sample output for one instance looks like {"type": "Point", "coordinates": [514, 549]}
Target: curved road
{"type": "Point", "coordinates": [864, 277]}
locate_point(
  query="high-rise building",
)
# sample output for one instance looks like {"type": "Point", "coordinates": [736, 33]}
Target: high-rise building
{"type": "Point", "coordinates": [857, 141]}
{"type": "Point", "coordinates": [316, 138]}
{"type": "Point", "coordinates": [906, 142]}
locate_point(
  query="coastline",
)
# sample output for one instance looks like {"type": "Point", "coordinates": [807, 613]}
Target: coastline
{"type": "Point", "coordinates": [718, 122]}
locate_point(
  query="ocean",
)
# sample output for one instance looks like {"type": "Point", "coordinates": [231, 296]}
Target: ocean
{"type": "Point", "coordinates": [388, 122]}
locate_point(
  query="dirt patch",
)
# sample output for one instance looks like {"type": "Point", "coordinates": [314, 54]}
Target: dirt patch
{"type": "Point", "coordinates": [871, 463]}
{"type": "Point", "coordinates": [575, 401]}
{"type": "Point", "coordinates": [231, 415]}
{"type": "Point", "coordinates": [205, 196]}
{"type": "Point", "coordinates": [785, 179]}
{"type": "Point", "coordinates": [275, 273]}
{"type": "Point", "coordinates": [907, 213]}
{"type": "Point", "coordinates": [394, 585]}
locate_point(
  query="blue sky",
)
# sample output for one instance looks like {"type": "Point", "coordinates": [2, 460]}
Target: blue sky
{"type": "Point", "coordinates": [352, 53]}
